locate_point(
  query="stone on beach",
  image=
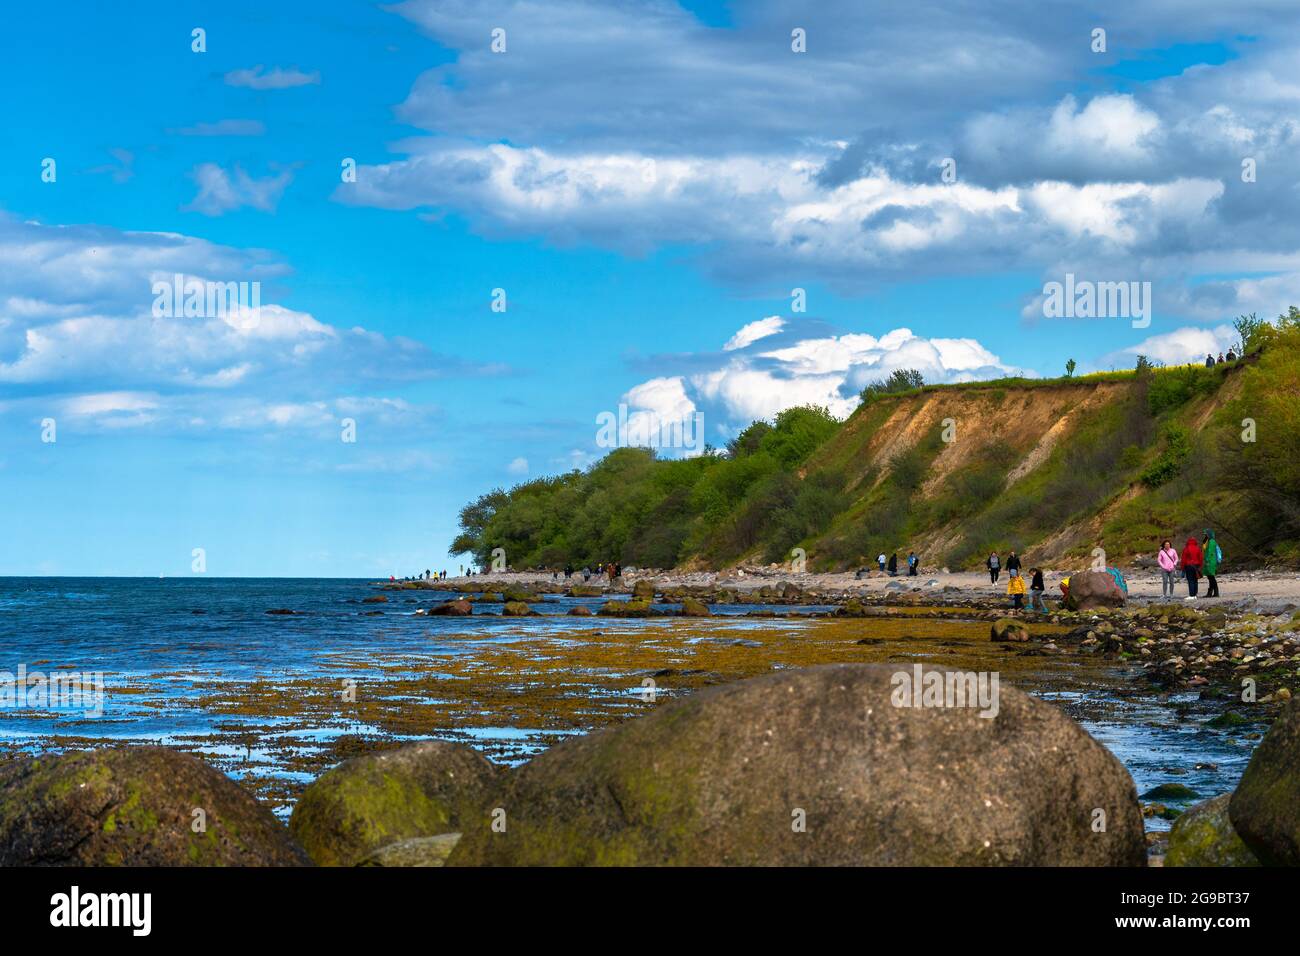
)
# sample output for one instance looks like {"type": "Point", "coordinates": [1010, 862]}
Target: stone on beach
{"type": "Point", "coordinates": [419, 851]}
{"type": "Point", "coordinates": [1008, 629]}
{"type": "Point", "coordinates": [817, 766]}
{"type": "Point", "coordinates": [694, 608]}
{"type": "Point", "coordinates": [1092, 590]}
{"type": "Point", "coordinates": [134, 806]}
{"type": "Point", "coordinates": [366, 803]}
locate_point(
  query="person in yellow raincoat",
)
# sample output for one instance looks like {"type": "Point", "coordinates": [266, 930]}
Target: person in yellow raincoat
{"type": "Point", "coordinates": [1016, 588]}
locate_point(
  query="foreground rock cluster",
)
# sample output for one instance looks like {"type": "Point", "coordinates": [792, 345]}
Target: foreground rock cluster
{"type": "Point", "coordinates": [831, 765]}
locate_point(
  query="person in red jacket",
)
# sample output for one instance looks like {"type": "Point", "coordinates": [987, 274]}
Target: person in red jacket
{"type": "Point", "coordinates": [1192, 566]}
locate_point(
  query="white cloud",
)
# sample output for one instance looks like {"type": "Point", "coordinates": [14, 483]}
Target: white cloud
{"type": "Point", "coordinates": [1181, 346]}
{"type": "Point", "coordinates": [274, 79]}
{"type": "Point", "coordinates": [225, 127]}
{"type": "Point", "coordinates": [518, 466]}
{"type": "Point", "coordinates": [758, 329]}
{"type": "Point", "coordinates": [757, 381]}
{"type": "Point", "coordinates": [221, 192]}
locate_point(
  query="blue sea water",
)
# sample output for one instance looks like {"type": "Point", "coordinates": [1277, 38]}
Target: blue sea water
{"type": "Point", "coordinates": [183, 638]}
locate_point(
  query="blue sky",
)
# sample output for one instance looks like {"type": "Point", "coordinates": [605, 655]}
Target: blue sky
{"type": "Point", "coordinates": [644, 180]}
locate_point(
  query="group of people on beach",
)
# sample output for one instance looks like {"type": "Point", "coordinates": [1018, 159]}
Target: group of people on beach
{"type": "Point", "coordinates": [891, 564]}
{"type": "Point", "coordinates": [1016, 587]}
{"type": "Point", "coordinates": [1197, 558]}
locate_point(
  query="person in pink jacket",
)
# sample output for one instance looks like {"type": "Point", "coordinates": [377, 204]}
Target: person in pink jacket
{"type": "Point", "coordinates": [1168, 559]}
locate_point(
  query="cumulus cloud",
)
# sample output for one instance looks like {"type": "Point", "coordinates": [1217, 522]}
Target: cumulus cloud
{"type": "Point", "coordinates": [78, 328]}
{"type": "Point", "coordinates": [221, 192]}
{"type": "Point", "coordinates": [763, 377]}
{"type": "Point", "coordinates": [274, 79]}
{"type": "Point", "coordinates": [765, 166]}
{"type": "Point", "coordinates": [751, 333]}
{"type": "Point", "coordinates": [1181, 346]}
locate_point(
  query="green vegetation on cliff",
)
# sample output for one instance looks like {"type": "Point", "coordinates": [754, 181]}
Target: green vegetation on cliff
{"type": "Point", "coordinates": [1052, 466]}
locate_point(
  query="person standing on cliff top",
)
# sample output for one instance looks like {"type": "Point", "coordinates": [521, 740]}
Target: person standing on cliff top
{"type": "Point", "coordinates": [994, 564]}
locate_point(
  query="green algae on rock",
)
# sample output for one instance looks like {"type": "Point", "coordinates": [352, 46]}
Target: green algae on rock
{"type": "Point", "coordinates": [366, 803]}
{"type": "Point", "coordinates": [134, 806]}
{"type": "Point", "coordinates": [1265, 807]}
{"type": "Point", "coordinates": [819, 767]}
{"type": "Point", "coordinates": [1204, 836]}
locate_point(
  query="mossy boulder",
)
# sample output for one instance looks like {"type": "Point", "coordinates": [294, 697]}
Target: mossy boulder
{"type": "Point", "coordinates": [625, 609]}
{"type": "Point", "coordinates": [1204, 836]}
{"type": "Point", "coordinates": [419, 851]}
{"type": "Point", "coordinates": [516, 609]}
{"type": "Point", "coordinates": [580, 610]}
{"type": "Point", "coordinates": [694, 608]}
{"type": "Point", "coordinates": [134, 806]}
{"type": "Point", "coordinates": [1265, 807]}
{"type": "Point", "coordinates": [1008, 629]}
{"type": "Point", "coordinates": [520, 595]}
{"type": "Point", "coordinates": [643, 591]}
{"type": "Point", "coordinates": [818, 767]}
{"type": "Point", "coordinates": [1170, 791]}
{"type": "Point", "coordinates": [366, 803]}
{"type": "Point", "coordinates": [585, 590]}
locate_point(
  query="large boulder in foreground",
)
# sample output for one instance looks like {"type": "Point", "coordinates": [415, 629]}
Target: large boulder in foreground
{"type": "Point", "coordinates": [1094, 590]}
{"type": "Point", "coordinates": [1204, 836]}
{"type": "Point", "coordinates": [134, 806]}
{"type": "Point", "coordinates": [420, 851]}
{"type": "Point", "coordinates": [366, 803]}
{"type": "Point", "coordinates": [1265, 807]}
{"type": "Point", "coordinates": [819, 767]}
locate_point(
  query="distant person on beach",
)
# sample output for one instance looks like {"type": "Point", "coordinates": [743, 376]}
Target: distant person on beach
{"type": "Point", "coordinates": [1036, 589]}
{"type": "Point", "coordinates": [1168, 561]}
{"type": "Point", "coordinates": [1013, 563]}
{"type": "Point", "coordinates": [1192, 566]}
{"type": "Point", "coordinates": [893, 565]}
{"type": "Point", "coordinates": [1212, 555]}
{"type": "Point", "coordinates": [994, 564]}
{"type": "Point", "coordinates": [1016, 588]}
{"type": "Point", "coordinates": [912, 562]}
{"type": "Point", "coordinates": [880, 560]}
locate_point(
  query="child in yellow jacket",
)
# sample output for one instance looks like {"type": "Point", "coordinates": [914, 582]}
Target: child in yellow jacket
{"type": "Point", "coordinates": [1016, 588]}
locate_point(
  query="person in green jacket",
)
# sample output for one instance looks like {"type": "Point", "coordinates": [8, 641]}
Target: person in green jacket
{"type": "Point", "coordinates": [1213, 555]}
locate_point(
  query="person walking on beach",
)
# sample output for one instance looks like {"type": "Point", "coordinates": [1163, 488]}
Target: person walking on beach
{"type": "Point", "coordinates": [1168, 561]}
{"type": "Point", "coordinates": [1191, 566]}
{"type": "Point", "coordinates": [1013, 563]}
{"type": "Point", "coordinates": [1036, 589]}
{"type": "Point", "coordinates": [893, 565]}
{"type": "Point", "coordinates": [994, 564]}
{"type": "Point", "coordinates": [1212, 554]}
{"type": "Point", "coordinates": [880, 560]}
{"type": "Point", "coordinates": [912, 562]}
{"type": "Point", "coordinates": [1016, 588]}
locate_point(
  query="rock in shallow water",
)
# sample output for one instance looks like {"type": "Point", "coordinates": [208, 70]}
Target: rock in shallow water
{"type": "Point", "coordinates": [1204, 836]}
{"type": "Point", "coordinates": [366, 803]}
{"type": "Point", "coordinates": [819, 767]}
{"type": "Point", "coordinates": [134, 806]}
{"type": "Point", "coordinates": [1265, 808]}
